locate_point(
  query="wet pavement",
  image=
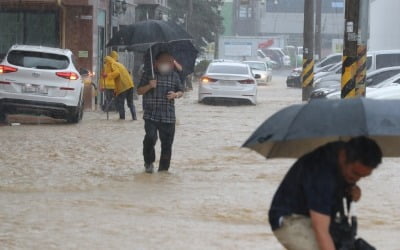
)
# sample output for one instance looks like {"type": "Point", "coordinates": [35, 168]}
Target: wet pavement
{"type": "Point", "coordinates": [84, 187]}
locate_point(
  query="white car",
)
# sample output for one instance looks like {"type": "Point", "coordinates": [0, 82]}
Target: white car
{"type": "Point", "coordinates": [262, 69]}
{"type": "Point", "coordinates": [384, 90]}
{"type": "Point", "coordinates": [390, 92]}
{"type": "Point", "coordinates": [41, 80]}
{"type": "Point", "coordinates": [228, 80]}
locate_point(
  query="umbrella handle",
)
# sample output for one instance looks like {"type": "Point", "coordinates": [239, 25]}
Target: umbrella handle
{"type": "Point", "coordinates": [151, 61]}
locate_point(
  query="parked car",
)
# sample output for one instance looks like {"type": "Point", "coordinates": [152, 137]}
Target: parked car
{"type": "Point", "coordinates": [228, 80]}
{"type": "Point", "coordinates": [277, 55]}
{"type": "Point", "coordinates": [41, 80]}
{"type": "Point", "coordinates": [333, 84]}
{"type": "Point", "coordinates": [390, 92]}
{"type": "Point", "coordinates": [372, 91]}
{"type": "Point", "coordinates": [261, 69]}
{"type": "Point", "coordinates": [325, 65]}
{"type": "Point", "coordinates": [329, 60]}
{"type": "Point", "coordinates": [294, 79]}
{"type": "Point", "coordinates": [375, 60]}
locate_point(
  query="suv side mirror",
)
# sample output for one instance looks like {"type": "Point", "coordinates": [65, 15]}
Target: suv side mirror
{"type": "Point", "coordinates": [83, 71]}
{"type": "Point", "coordinates": [257, 76]}
{"type": "Point", "coordinates": [368, 82]}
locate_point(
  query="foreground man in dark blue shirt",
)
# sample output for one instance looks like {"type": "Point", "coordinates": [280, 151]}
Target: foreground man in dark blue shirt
{"type": "Point", "coordinates": [311, 192]}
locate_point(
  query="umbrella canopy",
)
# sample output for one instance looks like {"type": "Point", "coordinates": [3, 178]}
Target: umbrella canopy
{"type": "Point", "coordinates": [143, 34]}
{"type": "Point", "coordinates": [169, 36]}
{"type": "Point", "coordinates": [299, 129]}
{"type": "Point", "coordinates": [183, 51]}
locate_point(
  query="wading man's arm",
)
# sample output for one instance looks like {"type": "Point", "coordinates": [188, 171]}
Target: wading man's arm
{"type": "Point", "coordinates": [320, 223]}
{"type": "Point", "coordinates": [146, 88]}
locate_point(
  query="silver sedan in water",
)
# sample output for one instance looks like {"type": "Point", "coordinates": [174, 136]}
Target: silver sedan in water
{"type": "Point", "coordinates": [228, 80]}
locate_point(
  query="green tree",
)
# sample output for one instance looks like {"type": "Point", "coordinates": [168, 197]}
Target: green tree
{"type": "Point", "coordinates": [203, 21]}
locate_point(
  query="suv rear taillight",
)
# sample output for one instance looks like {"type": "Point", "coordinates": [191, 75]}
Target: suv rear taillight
{"type": "Point", "coordinates": [68, 75]}
{"type": "Point", "coordinates": [7, 69]}
{"type": "Point", "coordinates": [247, 81]}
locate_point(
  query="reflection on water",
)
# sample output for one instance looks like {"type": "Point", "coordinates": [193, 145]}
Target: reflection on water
{"type": "Point", "coordinates": [83, 186]}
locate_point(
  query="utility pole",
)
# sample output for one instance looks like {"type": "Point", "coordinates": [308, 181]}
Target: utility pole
{"type": "Point", "coordinates": [189, 15]}
{"type": "Point", "coordinates": [307, 74]}
{"type": "Point", "coordinates": [318, 28]}
{"type": "Point", "coordinates": [363, 36]}
{"type": "Point", "coordinates": [355, 48]}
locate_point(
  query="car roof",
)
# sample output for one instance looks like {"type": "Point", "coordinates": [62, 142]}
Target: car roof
{"type": "Point", "coordinates": [253, 62]}
{"type": "Point", "coordinates": [383, 70]}
{"type": "Point", "coordinates": [36, 48]}
{"type": "Point", "coordinates": [384, 52]}
{"type": "Point", "coordinates": [229, 64]}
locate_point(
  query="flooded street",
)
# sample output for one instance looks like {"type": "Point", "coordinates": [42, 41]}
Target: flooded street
{"type": "Point", "coordinates": [84, 187]}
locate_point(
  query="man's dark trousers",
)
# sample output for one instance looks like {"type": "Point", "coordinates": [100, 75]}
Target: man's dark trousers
{"type": "Point", "coordinates": [167, 133]}
{"type": "Point", "coordinates": [128, 95]}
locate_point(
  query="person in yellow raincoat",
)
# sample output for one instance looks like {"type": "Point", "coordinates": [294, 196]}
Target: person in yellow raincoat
{"type": "Point", "coordinates": [123, 87]}
{"type": "Point", "coordinates": [107, 83]}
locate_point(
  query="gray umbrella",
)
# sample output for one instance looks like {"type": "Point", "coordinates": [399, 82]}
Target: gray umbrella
{"type": "Point", "coordinates": [299, 129]}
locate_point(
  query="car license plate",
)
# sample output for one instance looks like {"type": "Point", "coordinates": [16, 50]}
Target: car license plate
{"type": "Point", "coordinates": [227, 83]}
{"type": "Point", "coordinates": [29, 89]}
{"type": "Point", "coordinates": [35, 90]}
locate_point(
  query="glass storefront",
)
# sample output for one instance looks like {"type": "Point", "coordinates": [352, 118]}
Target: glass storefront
{"type": "Point", "coordinates": [28, 27]}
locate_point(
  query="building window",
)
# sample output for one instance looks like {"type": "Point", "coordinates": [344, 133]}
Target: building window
{"type": "Point", "coordinates": [245, 12]}
{"type": "Point", "coordinates": [28, 27]}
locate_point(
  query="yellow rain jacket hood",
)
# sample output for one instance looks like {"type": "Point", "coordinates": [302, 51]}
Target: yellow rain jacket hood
{"type": "Point", "coordinates": [109, 81]}
{"type": "Point", "coordinates": [114, 55]}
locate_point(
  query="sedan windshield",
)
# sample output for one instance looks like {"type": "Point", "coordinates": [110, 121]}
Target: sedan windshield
{"type": "Point", "coordinates": [228, 69]}
{"type": "Point", "coordinates": [258, 66]}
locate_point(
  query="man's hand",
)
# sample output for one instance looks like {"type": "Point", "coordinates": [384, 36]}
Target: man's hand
{"type": "Point", "coordinates": [171, 95]}
{"type": "Point", "coordinates": [146, 88]}
{"type": "Point", "coordinates": [104, 75]}
{"type": "Point", "coordinates": [355, 193]}
{"type": "Point", "coordinates": [153, 84]}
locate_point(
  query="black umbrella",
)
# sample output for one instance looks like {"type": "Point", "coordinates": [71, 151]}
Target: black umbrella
{"type": "Point", "coordinates": [143, 35]}
{"type": "Point", "coordinates": [183, 52]}
{"type": "Point", "coordinates": [299, 129]}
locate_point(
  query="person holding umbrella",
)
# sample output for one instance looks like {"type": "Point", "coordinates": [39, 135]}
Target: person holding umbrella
{"type": "Point", "coordinates": [159, 110]}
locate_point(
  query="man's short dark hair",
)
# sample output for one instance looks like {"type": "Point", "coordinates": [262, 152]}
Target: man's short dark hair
{"type": "Point", "coordinates": [363, 150]}
{"type": "Point", "coordinates": [162, 53]}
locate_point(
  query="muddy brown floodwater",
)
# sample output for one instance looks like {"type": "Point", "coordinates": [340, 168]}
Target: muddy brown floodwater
{"type": "Point", "coordinates": [83, 187]}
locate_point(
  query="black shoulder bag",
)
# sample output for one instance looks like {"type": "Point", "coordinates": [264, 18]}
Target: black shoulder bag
{"type": "Point", "coordinates": [344, 231]}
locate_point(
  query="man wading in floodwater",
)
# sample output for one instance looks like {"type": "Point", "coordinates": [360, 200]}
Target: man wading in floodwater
{"type": "Point", "coordinates": [159, 110]}
{"type": "Point", "coordinates": [312, 191]}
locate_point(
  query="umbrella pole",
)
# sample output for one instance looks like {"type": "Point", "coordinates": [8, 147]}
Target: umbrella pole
{"type": "Point", "coordinates": [151, 61]}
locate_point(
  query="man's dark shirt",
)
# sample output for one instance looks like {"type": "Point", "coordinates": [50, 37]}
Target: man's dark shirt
{"type": "Point", "coordinates": [314, 182]}
{"type": "Point", "coordinates": [156, 106]}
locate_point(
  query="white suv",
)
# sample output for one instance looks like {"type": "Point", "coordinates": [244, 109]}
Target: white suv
{"type": "Point", "coordinates": [41, 80]}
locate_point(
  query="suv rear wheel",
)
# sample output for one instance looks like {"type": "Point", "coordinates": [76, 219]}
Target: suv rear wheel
{"type": "Point", "coordinates": [76, 114]}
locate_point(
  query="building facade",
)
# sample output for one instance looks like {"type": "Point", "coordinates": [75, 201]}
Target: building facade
{"type": "Point", "coordinates": [286, 17]}
{"type": "Point", "coordinates": [383, 15]}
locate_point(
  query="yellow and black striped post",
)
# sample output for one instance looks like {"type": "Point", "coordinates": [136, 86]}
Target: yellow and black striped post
{"type": "Point", "coordinates": [348, 76]}
{"type": "Point", "coordinates": [307, 75]}
{"type": "Point", "coordinates": [361, 70]}
{"type": "Point", "coordinates": [355, 49]}
{"type": "Point", "coordinates": [350, 55]}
